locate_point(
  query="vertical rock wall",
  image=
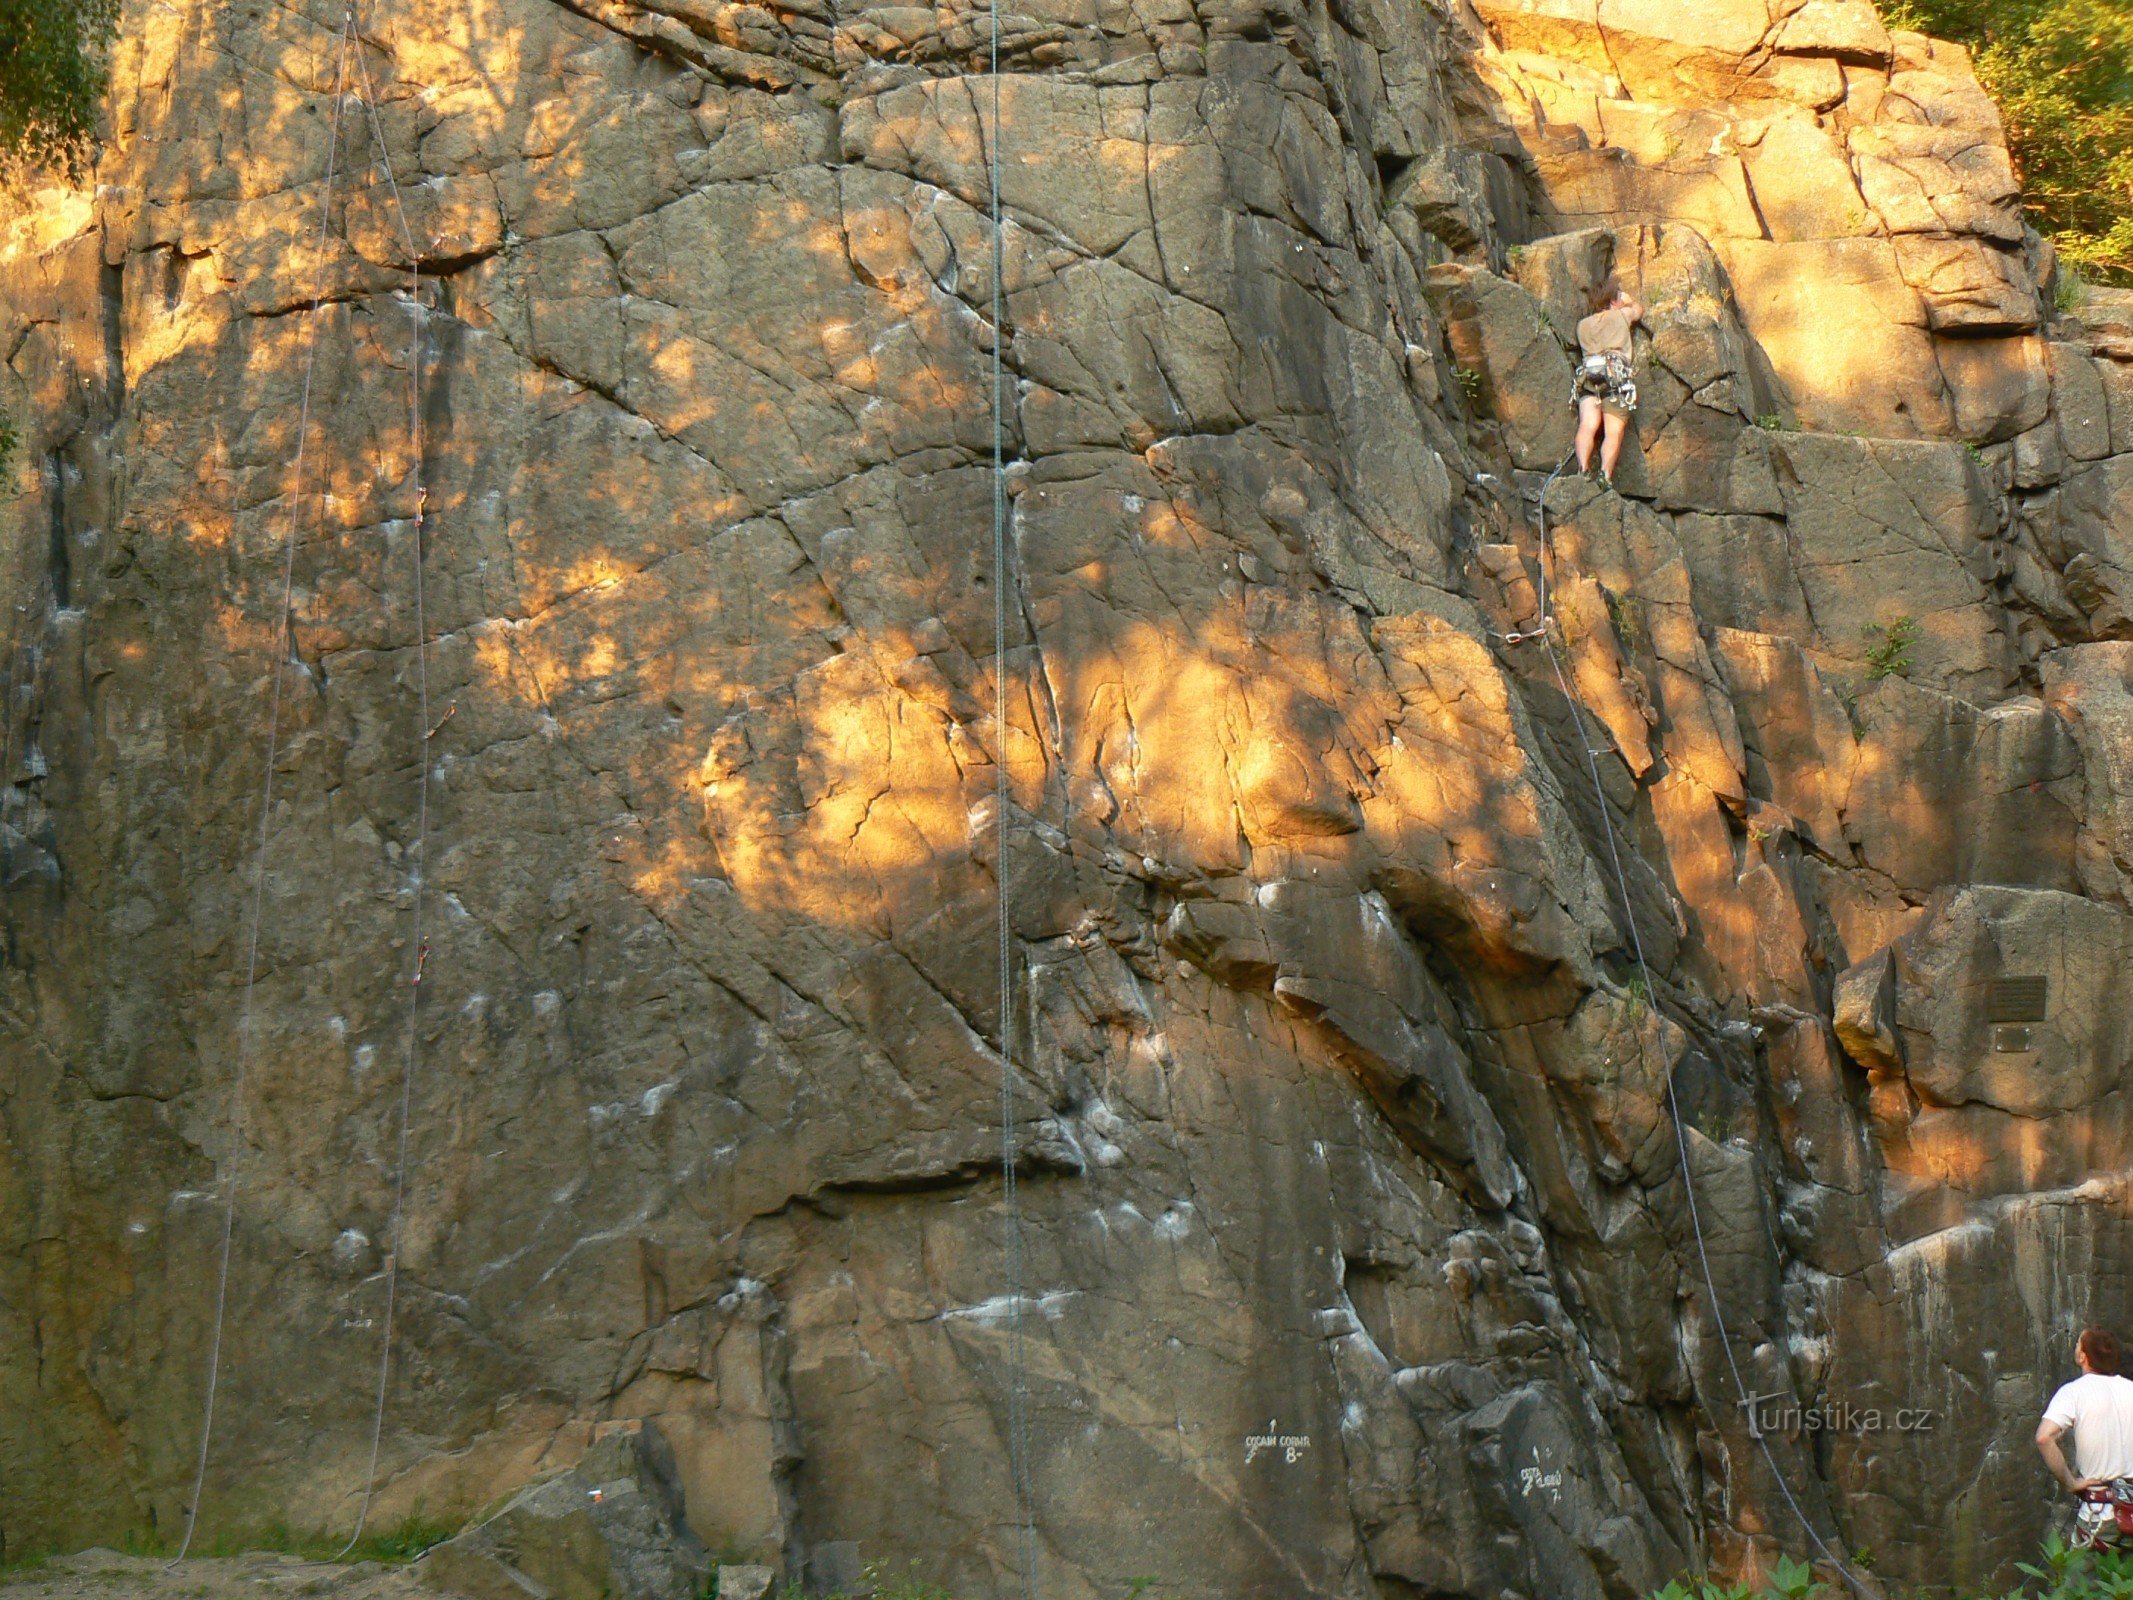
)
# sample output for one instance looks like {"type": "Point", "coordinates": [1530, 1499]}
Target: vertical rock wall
{"type": "Point", "coordinates": [1340, 1099]}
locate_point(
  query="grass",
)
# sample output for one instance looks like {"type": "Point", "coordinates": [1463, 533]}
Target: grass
{"type": "Point", "coordinates": [1628, 623]}
{"type": "Point", "coordinates": [2068, 290]}
{"type": "Point", "coordinates": [2060, 1572]}
{"type": "Point", "coordinates": [909, 1588]}
{"type": "Point", "coordinates": [897, 1589]}
{"type": "Point", "coordinates": [398, 1544]}
{"type": "Point", "coordinates": [1889, 655]}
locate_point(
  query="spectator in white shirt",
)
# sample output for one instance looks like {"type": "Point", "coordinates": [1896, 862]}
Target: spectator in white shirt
{"type": "Point", "coordinates": [2096, 1409]}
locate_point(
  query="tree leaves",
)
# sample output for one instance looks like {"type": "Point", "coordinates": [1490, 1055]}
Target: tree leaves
{"type": "Point", "coordinates": [52, 77]}
{"type": "Point", "coordinates": [2062, 72]}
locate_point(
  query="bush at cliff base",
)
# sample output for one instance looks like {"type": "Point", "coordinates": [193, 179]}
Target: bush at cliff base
{"type": "Point", "coordinates": [2060, 1572]}
{"type": "Point", "coordinates": [2062, 73]}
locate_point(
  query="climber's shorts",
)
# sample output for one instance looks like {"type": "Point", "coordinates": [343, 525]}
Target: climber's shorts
{"type": "Point", "coordinates": [1607, 379]}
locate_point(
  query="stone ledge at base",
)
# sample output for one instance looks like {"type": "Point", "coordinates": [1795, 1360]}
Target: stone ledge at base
{"type": "Point", "coordinates": [611, 1528]}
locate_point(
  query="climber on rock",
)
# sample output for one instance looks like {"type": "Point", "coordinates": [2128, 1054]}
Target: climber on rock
{"type": "Point", "coordinates": [2097, 1409]}
{"type": "Point", "coordinates": [1606, 390]}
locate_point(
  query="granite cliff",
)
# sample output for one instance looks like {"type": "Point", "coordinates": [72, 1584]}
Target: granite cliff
{"type": "Point", "coordinates": [1341, 1098]}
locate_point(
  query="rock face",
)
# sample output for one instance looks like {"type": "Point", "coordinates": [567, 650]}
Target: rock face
{"type": "Point", "coordinates": [1341, 809]}
{"type": "Point", "coordinates": [613, 1527]}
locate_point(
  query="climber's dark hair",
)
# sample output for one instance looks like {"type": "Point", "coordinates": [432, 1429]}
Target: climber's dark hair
{"type": "Point", "coordinates": [2099, 1347]}
{"type": "Point", "coordinates": [1604, 292]}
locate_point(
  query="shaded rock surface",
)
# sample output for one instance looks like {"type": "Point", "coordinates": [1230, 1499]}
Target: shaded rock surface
{"type": "Point", "coordinates": [614, 1527]}
{"type": "Point", "coordinates": [1342, 1108]}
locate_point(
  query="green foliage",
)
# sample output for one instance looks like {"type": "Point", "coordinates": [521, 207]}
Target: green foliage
{"type": "Point", "coordinates": [9, 440]}
{"type": "Point", "coordinates": [1705, 1589]}
{"type": "Point", "coordinates": [52, 74]}
{"type": "Point", "coordinates": [2060, 1572]}
{"type": "Point", "coordinates": [2062, 73]}
{"type": "Point", "coordinates": [400, 1543]}
{"type": "Point", "coordinates": [882, 1587]}
{"type": "Point", "coordinates": [1772, 422]}
{"type": "Point", "coordinates": [1469, 382]}
{"type": "Point", "coordinates": [404, 1541]}
{"type": "Point", "coordinates": [1794, 1580]}
{"type": "Point", "coordinates": [22, 1567]}
{"type": "Point", "coordinates": [1627, 621]}
{"type": "Point", "coordinates": [1889, 655]}
{"type": "Point", "coordinates": [2068, 289]}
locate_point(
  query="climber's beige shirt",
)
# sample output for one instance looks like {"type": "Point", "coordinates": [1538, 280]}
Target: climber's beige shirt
{"type": "Point", "coordinates": [2097, 1409]}
{"type": "Point", "coordinates": [1605, 333]}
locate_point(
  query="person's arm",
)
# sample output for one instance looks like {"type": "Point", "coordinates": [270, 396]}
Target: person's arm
{"type": "Point", "coordinates": [2049, 1433]}
{"type": "Point", "coordinates": [1636, 310]}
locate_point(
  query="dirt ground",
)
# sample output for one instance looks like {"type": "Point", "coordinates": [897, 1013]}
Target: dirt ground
{"type": "Point", "coordinates": [261, 1575]}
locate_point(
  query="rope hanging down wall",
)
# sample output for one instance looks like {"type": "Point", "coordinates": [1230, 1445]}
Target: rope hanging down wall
{"type": "Point", "coordinates": [1017, 1397]}
{"type": "Point", "coordinates": [1673, 1105]}
{"type": "Point", "coordinates": [284, 649]}
{"type": "Point", "coordinates": [417, 944]}
{"type": "Point", "coordinates": [350, 38]}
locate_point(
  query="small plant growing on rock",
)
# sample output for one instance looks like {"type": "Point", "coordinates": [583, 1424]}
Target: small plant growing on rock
{"type": "Point", "coordinates": [1889, 653]}
{"type": "Point", "coordinates": [8, 443]}
{"type": "Point", "coordinates": [2068, 290]}
{"type": "Point", "coordinates": [1973, 451]}
{"type": "Point", "coordinates": [1848, 693]}
{"type": "Point", "coordinates": [1772, 422]}
{"type": "Point", "coordinates": [1627, 623]}
{"type": "Point", "coordinates": [1469, 382]}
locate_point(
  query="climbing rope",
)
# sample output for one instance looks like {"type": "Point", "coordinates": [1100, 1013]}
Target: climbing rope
{"type": "Point", "coordinates": [418, 945]}
{"type": "Point", "coordinates": [284, 647]}
{"type": "Point", "coordinates": [1017, 1399]}
{"type": "Point", "coordinates": [1673, 1105]}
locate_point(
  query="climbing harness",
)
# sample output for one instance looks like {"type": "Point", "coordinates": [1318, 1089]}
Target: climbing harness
{"type": "Point", "coordinates": [1011, 1199]}
{"type": "Point", "coordinates": [1608, 378]}
{"type": "Point", "coordinates": [284, 649]}
{"type": "Point", "coordinates": [2104, 1515]}
{"type": "Point", "coordinates": [1673, 1104]}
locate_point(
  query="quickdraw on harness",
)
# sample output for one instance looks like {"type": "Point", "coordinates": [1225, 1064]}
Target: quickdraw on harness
{"type": "Point", "coordinates": [2105, 1515]}
{"type": "Point", "coordinates": [1605, 377]}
